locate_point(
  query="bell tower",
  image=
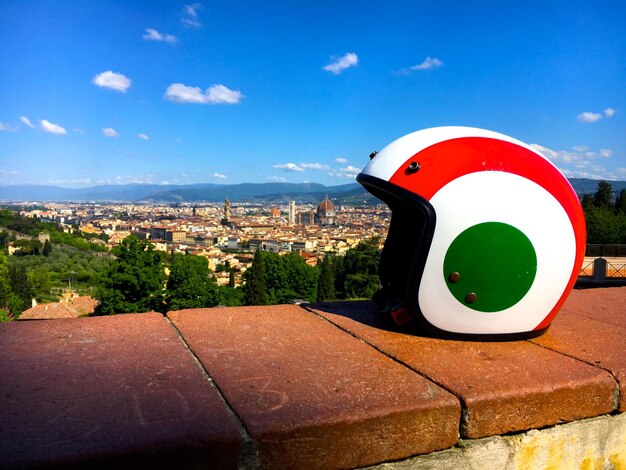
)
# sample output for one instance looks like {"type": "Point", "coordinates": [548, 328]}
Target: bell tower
{"type": "Point", "coordinates": [226, 210]}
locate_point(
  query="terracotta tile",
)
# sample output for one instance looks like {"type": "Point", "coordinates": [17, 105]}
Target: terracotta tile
{"type": "Point", "coordinates": [119, 391]}
{"type": "Point", "coordinates": [313, 396]}
{"type": "Point", "coordinates": [596, 342]}
{"type": "Point", "coordinates": [606, 304]}
{"type": "Point", "coordinates": [504, 387]}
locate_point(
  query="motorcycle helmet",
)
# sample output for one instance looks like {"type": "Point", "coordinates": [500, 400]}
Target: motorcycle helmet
{"type": "Point", "coordinates": [486, 235]}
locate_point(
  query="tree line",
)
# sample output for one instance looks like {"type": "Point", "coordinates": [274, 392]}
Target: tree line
{"type": "Point", "coordinates": [36, 269]}
{"type": "Point", "coordinates": [32, 226]}
{"type": "Point", "coordinates": [605, 215]}
{"type": "Point", "coordinates": [142, 279]}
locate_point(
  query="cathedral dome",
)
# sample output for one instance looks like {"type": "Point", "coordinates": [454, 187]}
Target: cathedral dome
{"type": "Point", "coordinates": [325, 206]}
{"type": "Point", "coordinates": [325, 214]}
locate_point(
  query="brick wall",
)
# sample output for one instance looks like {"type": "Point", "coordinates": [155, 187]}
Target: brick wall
{"type": "Point", "coordinates": [319, 386]}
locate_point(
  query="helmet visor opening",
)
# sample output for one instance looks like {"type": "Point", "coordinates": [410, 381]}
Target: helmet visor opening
{"type": "Point", "coordinates": [408, 239]}
{"type": "Point", "coordinates": [399, 261]}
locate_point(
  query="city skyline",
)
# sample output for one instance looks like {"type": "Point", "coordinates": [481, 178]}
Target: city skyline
{"type": "Point", "coordinates": [182, 93]}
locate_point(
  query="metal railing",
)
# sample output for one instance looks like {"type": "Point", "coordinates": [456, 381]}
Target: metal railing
{"type": "Point", "coordinates": [601, 269]}
{"type": "Point", "coordinates": [612, 251]}
{"type": "Point", "coordinates": [586, 270]}
{"type": "Point", "coordinates": [614, 270]}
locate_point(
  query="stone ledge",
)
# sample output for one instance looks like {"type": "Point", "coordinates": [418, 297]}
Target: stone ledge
{"type": "Point", "coordinates": [594, 443]}
{"type": "Point", "coordinates": [325, 386]}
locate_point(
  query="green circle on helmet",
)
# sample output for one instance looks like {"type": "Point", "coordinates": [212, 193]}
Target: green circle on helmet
{"type": "Point", "coordinates": [490, 266]}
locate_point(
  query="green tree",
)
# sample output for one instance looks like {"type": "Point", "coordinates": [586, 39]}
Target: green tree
{"type": "Point", "coordinates": [231, 279]}
{"type": "Point", "coordinates": [20, 287]}
{"type": "Point", "coordinates": [326, 280]}
{"type": "Point", "coordinates": [40, 280]}
{"type": "Point", "coordinates": [285, 278]}
{"type": "Point", "coordinates": [586, 201]}
{"type": "Point", "coordinates": [359, 276]}
{"type": "Point", "coordinates": [189, 284]}
{"type": "Point", "coordinates": [7, 299]}
{"type": "Point", "coordinates": [231, 297]}
{"type": "Point", "coordinates": [300, 279]}
{"type": "Point", "coordinates": [361, 286]}
{"type": "Point", "coordinates": [47, 248]}
{"type": "Point", "coordinates": [603, 196]}
{"type": "Point", "coordinates": [620, 203]}
{"type": "Point", "coordinates": [603, 226]}
{"type": "Point", "coordinates": [28, 247]}
{"type": "Point", "coordinates": [5, 237]}
{"type": "Point", "coordinates": [275, 276]}
{"type": "Point", "coordinates": [254, 288]}
{"type": "Point", "coordinates": [340, 276]}
{"type": "Point", "coordinates": [134, 281]}
{"type": "Point", "coordinates": [223, 267]}
{"type": "Point", "coordinates": [363, 259]}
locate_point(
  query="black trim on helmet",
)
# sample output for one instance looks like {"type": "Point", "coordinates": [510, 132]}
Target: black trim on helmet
{"type": "Point", "coordinates": [408, 242]}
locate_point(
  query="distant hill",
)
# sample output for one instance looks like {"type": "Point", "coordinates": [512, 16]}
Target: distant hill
{"type": "Point", "coordinates": [173, 193]}
{"type": "Point", "coordinates": [121, 192]}
{"type": "Point", "coordinates": [589, 186]}
{"type": "Point", "coordinates": [246, 192]}
{"type": "Point", "coordinates": [350, 193]}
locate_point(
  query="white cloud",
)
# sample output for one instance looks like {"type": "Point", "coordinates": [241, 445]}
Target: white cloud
{"type": "Point", "coordinates": [79, 131]}
{"type": "Point", "coordinates": [609, 112]}
{"type": "Point", "coordinates": [347, 61]}
{"type": "Point", "coordinates": [428, 63]}
{"type": "Point", "coordinates": [589, 117]}
{"type": "Point", "coordinates": [109, 132]}
{"type": "Point", "coordinates": [27, 122]}
{"type": "Point", "coordinates": [288, 167]}
{"type": "Point", "coordinates": [128, 179]}
{"type": "Point", "coordinates": [190, 15]}
{"type": "Point", "coordinates": [341, 160]}
{"type": "Point", "coordinates": [302, 166]}
{"type": "Point", "coordinates": [154, 35]}
{"type": "Point", "coordinates": [579, 162]}
{"type": "Point", "coordinates": [349, 172]}
{"type": "Point", "coordinates": [217, 94]}
{"type": "Point", "coordinates": [313, 166]}
{"type": "Point", "coordinates": [350, 169]}
{"type": "Point", "coordinates": [7, 127]}
{"type": "Point", "coordinates": [69, 182]}
{"type": "Point", "coordinates": [218, 175]}
{"type": "Point", "coordinates": [143, 136]}
{"type": "Point", "coordinates": [277, 179]}
{"type": "Point", "coordinates": [112, 80]}
{"type": "Point", "coordinates": [47, 126]}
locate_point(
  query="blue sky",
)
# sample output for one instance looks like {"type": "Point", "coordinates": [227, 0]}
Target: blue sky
{"type": "Point", "coordinates": [163, 91]}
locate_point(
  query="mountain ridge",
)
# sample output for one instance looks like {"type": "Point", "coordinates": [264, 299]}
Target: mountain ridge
{"type": "Point", "coordinates": [347, 193]}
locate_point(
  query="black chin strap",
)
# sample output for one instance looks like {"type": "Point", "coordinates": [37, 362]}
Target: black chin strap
{"type": "Point", "coordinates": [389, 305]}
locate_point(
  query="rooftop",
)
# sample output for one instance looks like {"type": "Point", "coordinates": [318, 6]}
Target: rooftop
{"type": "Point", "coordinates": [312, 386]}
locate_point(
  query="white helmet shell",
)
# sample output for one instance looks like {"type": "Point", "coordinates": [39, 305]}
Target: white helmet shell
{"type": "Point", "coordinates": [487, 236]}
